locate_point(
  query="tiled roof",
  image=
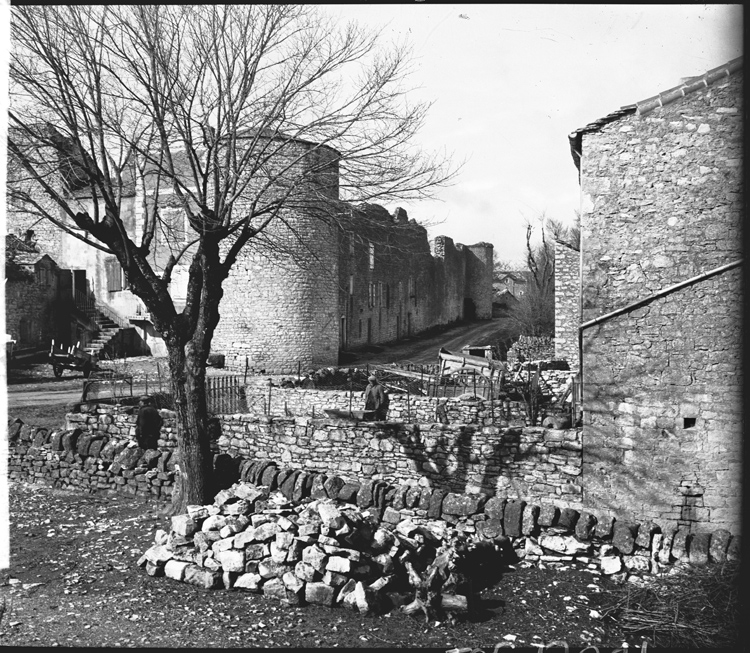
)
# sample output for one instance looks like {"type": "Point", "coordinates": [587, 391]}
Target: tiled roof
{"type": "Point", "coordinates": [645, 106]}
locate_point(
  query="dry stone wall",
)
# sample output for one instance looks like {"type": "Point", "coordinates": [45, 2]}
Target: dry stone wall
{"type": "Point", "coordinates": [662, 384]}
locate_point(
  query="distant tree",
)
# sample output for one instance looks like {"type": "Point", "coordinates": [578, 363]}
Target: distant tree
{"type": "Point", "coordinates": [198, 104]}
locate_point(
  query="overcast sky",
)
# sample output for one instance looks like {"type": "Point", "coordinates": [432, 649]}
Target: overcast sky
{"type": "Point", "coordinates": [510, 82]}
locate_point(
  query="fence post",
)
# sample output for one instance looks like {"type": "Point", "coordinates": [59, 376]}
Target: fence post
{"type": "Point", "coordinates": [492, 402]}
{"type": "Point", "coordinates": [408, 406]}
{"type": "Point", "coordinates": [475, 382]}
{"type": "Point", "coordinates": [244, 380]}
{"type": "Point", "coordinates": [351, 395]}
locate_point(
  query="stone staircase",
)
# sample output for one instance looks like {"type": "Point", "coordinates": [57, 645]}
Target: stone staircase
{"type": "Point", "coordinates": [107, 329]}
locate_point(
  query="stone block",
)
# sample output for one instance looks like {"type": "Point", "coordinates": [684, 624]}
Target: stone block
{"type": "Point", "coordinates": [529, 525]}
{"type": "Point", "coordinates": [286, 487]}
{"type": "Point", "coordinates": [333, 485]}
{"type": "Point", "coordinates": [585, 526]}
{"type": "Point", "coordinates": [734, 549]}
{"type": "Point", "coordinates": [413, 495]}
{"type": "Point", "coordinates": [275, 589]}
{"type": "Point", "coordinates": [301, 487]}
{"type": "Point", "coordinates": [318, 490]}
{"type": "Point", "coordinates": [316, 557]}
{"type": "Point", "coordinates": [436, 503]}
{"type": "Point", "coordinates": [267, 531]}
{"type": "Point", "coordinates": [175, 569]}
{"type": "Point", "coordinates": [680, 543]}
{"type": "Point", "coordinates": [568, 519]}
{"type": "Point", "coordinates": [719, 543]}
{"type": "Point", "coordinates": [364, 497]}
{"type": "Point", "coordinates": [249, 581]}
{"type": "Point", "coordinates": [69, 439]}
{"type": "Point", "coordinates": [563, 544]}
{"type": "Point", "coordinates": [424, 498]}
{"type": "Point", "coordinates": [698, 548]}
{"type": "Point", "coordinates": [513, 517]}
{"type": "Point", "coordinates": [269, 477]}
{"type": "Point", "coordinates": [645, 534]}
{"type": "Point", "coordinates": [320, 594]}
{"type": "Point", "coordinates": [610, 565]}
{"type": "Point", "coordinates": [490, 528]}
{"type": "Point", "coordinates": [548, 515]}
{"type": "Point", "coordinates": [604, 527]}
{"type": "Point", "coordinates": [184, 525]}
{"type": "Point", "coordinates": [637, 564]}
{"type": "Point", "coordinates": [399, 497]}
{"type": "Point", "coordinates": [391, 516]}
{"type": "Point", "coordinates": [624, 537]}
{"type": "Point", "coordinates": [231, 560]}
{"type": "Point", "coordinates": [203, 578]}
{"type": "Point", "coordinates": [348, 492]}
{"type": "Point", "coordinates": [267, 568]}
{"type": "Point", "coordinates": [463, 505]}
{"type": "Point", "coordinates": [305, 571]}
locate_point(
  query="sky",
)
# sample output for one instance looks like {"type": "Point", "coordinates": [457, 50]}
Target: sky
{"type": "Point", "coordinates": [510, 82]}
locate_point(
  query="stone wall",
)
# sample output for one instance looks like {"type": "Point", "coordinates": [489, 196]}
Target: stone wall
{"type": "Point", "coordinates": [661, 192]}
{"type": "Point", "coordinates": [567, 303]}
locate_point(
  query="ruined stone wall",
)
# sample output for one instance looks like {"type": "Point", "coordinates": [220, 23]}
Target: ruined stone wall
{"type": "Point", "coordinates": [479, 272]}
{"type": "Point", "coordinates": [567, 303]}
{"type": "Point", "coordinates": [450, 273]}
{"type": "Point", "coordinates": [662, 404]}
{"type": "Point", "coordinates": [279, 306]}
{"type": "Point", "coordinates": [32, 308]}
{"type": "Point", "coordinates": [385, 277]}
{"type": "Point", "coordinates": [392, 285]}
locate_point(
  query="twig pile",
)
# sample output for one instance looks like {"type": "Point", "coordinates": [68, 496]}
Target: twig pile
{"type": "Point", "coordinates": [697, 607]}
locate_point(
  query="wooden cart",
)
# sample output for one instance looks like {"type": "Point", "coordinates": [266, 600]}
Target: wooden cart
{"type": "Point", "coordinates": [72, 358]}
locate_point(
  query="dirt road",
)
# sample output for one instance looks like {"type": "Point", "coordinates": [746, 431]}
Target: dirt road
{"type": "Point", "coordinates": [425, 350]}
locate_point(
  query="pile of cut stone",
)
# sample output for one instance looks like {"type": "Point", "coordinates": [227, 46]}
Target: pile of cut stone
{"type": "Point", "coordinates": [319, 551]}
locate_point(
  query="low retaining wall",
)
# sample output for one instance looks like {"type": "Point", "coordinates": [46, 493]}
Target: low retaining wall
{"type": "Point", "coordinates": [530, 463]}
{"type": "Point", "coordinates": [540, 531]}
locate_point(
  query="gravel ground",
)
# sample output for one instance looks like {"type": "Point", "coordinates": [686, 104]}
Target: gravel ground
{"type": "Point", "coordinates": [73, 581]}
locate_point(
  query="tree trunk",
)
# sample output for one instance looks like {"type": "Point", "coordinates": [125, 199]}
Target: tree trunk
{"type": "Point", "coordinates": [193, 444]}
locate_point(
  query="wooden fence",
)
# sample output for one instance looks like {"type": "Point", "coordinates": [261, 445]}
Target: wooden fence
{"type": "Point", "coordinates": [225, 395]}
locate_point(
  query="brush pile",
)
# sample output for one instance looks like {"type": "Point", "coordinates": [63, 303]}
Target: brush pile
{"type": "Point", "coordinates": [691, 607]}
{"type": "Point", "coordinates": [322, 551]}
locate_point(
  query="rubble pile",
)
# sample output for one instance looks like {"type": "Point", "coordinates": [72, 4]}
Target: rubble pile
{"type": "Point", "coordinates": [321, 551]}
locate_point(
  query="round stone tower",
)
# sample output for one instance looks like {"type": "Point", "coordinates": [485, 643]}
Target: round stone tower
{"type": "Point", "coordinates": [280, 304]}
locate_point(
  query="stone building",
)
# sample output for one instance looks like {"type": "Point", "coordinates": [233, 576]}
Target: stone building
{"type": "Point", "coordinates": [661, 189]}
{"type": "Point", "coordinates": [37, 306]}
{"type": "Point", "coordinates": [325, 277]}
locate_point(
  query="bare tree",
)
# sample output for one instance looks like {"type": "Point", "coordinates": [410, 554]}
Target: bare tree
{"type": "Point", "coordinates": [197, 107]}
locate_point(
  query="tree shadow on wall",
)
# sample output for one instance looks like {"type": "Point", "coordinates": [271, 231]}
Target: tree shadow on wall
{"type": "Point", "coordinates": [432, 461]}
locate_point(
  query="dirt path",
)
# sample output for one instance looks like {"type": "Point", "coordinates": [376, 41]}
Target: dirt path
{"type": "Point", "coordinates": [425, 350]}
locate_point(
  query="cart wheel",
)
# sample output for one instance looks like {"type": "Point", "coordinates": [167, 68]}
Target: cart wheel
{"type": "Point", "coordinates": [58, 370]}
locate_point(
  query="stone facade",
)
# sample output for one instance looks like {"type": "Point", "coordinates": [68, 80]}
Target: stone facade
{"type": "Point", "coordinates": [661, 186]}
{"type": "Point", "coordinates": [567, 303]}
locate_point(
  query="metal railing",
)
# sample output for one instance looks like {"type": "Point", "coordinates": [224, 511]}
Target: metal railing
{"type": "Point", "coordinates": [86, 303]}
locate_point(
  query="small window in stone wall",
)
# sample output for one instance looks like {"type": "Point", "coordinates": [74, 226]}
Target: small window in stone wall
{"type": "Point", "coordinates": [688, 422]}
{"type": "Point", "coordinates": [371, 248]}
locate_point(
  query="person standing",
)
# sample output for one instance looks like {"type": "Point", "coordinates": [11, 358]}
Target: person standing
{"type": "Point", "coordinates": [376, 399]}
{"type": "Point", "coordinates": [148, 424]}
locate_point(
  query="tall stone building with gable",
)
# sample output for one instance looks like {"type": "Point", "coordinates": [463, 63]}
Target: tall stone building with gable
{"type": "Point", "coordinates": [661, 304]}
